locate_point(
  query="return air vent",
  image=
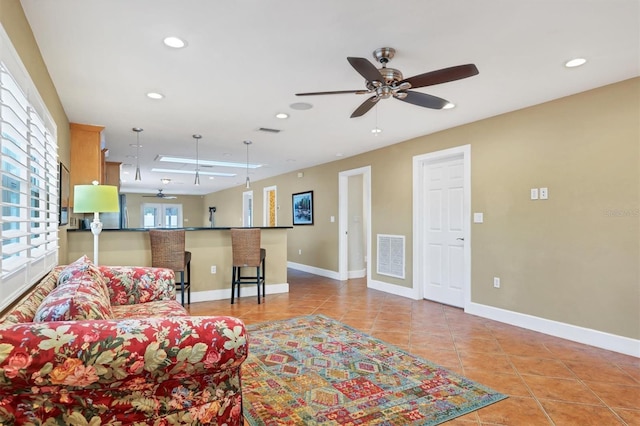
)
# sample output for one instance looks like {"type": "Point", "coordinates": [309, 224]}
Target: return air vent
{"type": "Point", "coordinates": [268, 130]}
{"type": "Point", "coordinates": [391, 255]}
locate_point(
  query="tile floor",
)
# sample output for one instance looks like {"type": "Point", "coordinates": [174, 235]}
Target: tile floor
{"type": "Point", "coordinates": [550, 381]}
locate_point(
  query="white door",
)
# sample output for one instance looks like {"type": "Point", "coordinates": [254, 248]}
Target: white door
{"type": "Point", "coordinates": [443, 257]}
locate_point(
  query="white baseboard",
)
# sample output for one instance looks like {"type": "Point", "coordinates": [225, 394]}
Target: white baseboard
{"type": "Point", "coordinates": [357, 274]}
{"type": "Point", "coordinates": [313, 270]}
{"type": "Point", "coordinates": [393, 289]}
{"type": "Point", "coordinates": [574, 333]}
{"type": "Point", "coordinates": [587, 336]}
{"type": "Point", "coordinates": [209, 295]}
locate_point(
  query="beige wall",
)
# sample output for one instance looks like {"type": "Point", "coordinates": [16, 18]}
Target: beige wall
{"type": "Point", "coordinates": [192, 209]}
{"type": "Point", "coordinates": [573, 258]}
{"type": "Point", "coordinates": [17, 27]}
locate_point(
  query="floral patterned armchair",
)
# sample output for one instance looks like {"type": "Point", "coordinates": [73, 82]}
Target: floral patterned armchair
{"type": "Point", "coordinates": [137, 360]}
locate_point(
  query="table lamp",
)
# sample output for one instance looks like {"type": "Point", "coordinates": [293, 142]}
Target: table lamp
{"type": "Point", "coordinates": [95, 199]}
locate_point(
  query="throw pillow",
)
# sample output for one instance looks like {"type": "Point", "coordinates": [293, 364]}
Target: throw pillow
{"type": "Point", "coordinates": [81, 267]}
{"type": "Point", "coordinates": [78, 299]}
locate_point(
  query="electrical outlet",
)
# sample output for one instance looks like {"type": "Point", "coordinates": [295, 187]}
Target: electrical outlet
{"type": "Point", "coordinates": [544, 193]}
{"type": "Point", "coordinates": [213, 269]}
{"type": "Point", "coordinates": [496, 282]}
{"type": "Point", "coordinates": [300, 251]}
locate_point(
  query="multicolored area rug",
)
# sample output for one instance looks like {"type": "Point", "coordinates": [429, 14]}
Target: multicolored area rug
{"type": "Point", "coordinates": [314, 370]}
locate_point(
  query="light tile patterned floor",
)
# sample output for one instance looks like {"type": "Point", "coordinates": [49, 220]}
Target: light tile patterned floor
{"type": "Point", "coordinates": [550, 381]}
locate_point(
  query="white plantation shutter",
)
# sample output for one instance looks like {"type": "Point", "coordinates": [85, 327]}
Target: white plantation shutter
{"type": "Point", "coordinates": [29, 187]}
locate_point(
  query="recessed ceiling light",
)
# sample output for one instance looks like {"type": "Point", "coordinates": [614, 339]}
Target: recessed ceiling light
{"type": "Point", "coordinates": [155, 95]}
{"type": "Point", "coordinates": [376, 131]}
{"type": "Point", "coordinates": [575, 62]}
{"type": "Point", "coordinates": [175, 42]}
{"type": "Point", "coordinates": [339, 154]}
{"type": "Point", "coordinates": [301, 106]}
{"type": "Point", "coordinates": [135, 145]}
{"type": "Point", "coordinates": [449, 105]}
{"type": "Point", "coordinates": [282, 115]}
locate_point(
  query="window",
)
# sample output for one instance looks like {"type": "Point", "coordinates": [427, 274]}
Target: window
{"type": "Point", "coordinates": [29, 172]}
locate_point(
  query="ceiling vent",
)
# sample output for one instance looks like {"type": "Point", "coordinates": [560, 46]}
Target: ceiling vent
{"type": "Point", "coordinates": [268, 130]}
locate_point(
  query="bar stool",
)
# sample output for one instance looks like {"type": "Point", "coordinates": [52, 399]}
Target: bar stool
{"type": "Point", "coordinates": [167, 251]}
{"type": "Point", "coordinates": [245, 247]}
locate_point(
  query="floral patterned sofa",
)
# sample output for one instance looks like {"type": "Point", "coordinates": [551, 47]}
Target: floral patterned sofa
{"type": "Point", "coordinates": [111, 346]}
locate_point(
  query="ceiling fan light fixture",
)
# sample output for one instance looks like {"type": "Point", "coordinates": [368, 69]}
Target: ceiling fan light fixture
{"type": "Point", "coordinates": [576, 62]}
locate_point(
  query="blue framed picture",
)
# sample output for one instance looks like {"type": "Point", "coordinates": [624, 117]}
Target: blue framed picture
{"type": "Point", "coordinates": [302, 204]}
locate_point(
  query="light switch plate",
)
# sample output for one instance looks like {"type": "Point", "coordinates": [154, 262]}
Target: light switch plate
{"type": "Point", "coordinates": [478, 217]}
{"type": "Point", "coordinates": [534, 193]}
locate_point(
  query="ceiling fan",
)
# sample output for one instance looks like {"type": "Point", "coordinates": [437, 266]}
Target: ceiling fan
{"type": "Point", "coordinates": [386, 82]}
{"type": "Point", "coordinates": [162, 195]}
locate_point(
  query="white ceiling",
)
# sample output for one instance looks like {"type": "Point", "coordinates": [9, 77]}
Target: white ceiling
{"type": "Point", "coordinates": [246, 59]}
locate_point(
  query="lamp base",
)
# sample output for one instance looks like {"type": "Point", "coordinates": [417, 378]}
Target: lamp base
{"type": "Point", "coordinates": [96, 229]}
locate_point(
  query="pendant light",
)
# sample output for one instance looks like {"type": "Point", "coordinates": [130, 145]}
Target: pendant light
{"type": "Point", "coordinates": [137, 130]}
{"type": "Point", "coordinates": [247, 183]}
{"type": "Point", "coordinates": [197, 179]}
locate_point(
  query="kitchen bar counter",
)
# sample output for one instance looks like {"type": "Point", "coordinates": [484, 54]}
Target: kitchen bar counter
{"type": "Point", "coordinates": [209, 247]}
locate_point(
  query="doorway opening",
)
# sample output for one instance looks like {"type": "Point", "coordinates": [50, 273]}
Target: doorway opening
{"type": "Point", "coordinates": [354, 224]}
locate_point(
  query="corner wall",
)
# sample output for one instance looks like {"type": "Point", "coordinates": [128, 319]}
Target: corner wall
{"type": "Point", "coordinates": [573, 258]}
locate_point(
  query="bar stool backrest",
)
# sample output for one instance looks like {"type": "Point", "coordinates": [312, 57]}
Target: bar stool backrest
{"type": "Point", "coordinates": [245, 244]}
{"type": "Point", "coordinates": [167, 248]}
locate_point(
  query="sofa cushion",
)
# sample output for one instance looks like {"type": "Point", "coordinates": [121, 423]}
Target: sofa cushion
{"type": "Point", "coordinates": [80, 298]}
{"type": "Point", "coordinates": [157, 309]}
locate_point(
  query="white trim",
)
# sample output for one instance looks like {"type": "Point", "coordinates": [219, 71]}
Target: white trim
{"type": "Point", "coordinates": [210, 295]}
{"type": "Point", "coordinates": [247, 214]}
{"type": "Point", "coordinates": [418, 214]}
{"type": "Point", "coordinates": [343, 220]}
{"type": "Point", "coordinates": [397, 290]}
{"type": "Point", "coordinates": [313, 270]}
{"type": "Point", "coordinates": [574, 333]}
{"type": "Point", "coordinates": [357, 274]}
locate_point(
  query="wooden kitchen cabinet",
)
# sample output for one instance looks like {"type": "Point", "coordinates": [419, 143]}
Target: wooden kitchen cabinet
{"type": "Point", "coordinates": [112, 174]}
{"type": "Point", "coordinates": [87, 156]}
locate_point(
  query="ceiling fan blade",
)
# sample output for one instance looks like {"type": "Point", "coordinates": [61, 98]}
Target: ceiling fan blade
{"type": "Point", "coordinates": [442, 76]}
{"type": "Point", "coordinates": [424, 100]}
{"type": "Point", "coordinates": [365, 107]}
{"type": "Point", "coordinates": [366, 69]}
{"type": "Point", "coordinates": [335, 92]}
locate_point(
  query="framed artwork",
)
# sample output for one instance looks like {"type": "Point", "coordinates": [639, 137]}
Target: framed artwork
{"type": "Point", "coordinates": [63, 200]}
{"type": "Point", "coordinates": [302, 204]}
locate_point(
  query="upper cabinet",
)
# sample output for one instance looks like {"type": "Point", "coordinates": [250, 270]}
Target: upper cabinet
{"type": "Point", "coordinates": [112, 174]}
{"type": "Point", "coordinates": [87, 156]}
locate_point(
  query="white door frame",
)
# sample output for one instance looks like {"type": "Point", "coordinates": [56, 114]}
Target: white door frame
{"type": "Point", "coordinates": [247, 208]}
{"type": "Point", "coordinates": [343, 219]}
{"type": "Point", "coordinates": [419, 242]}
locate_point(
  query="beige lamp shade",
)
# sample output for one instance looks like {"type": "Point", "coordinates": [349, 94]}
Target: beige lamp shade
{"type": "Point", "coordinates": [95, 198]}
